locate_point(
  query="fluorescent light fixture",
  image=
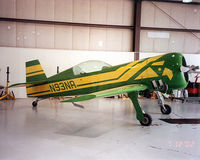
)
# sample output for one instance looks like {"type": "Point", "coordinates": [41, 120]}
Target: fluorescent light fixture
{"type": "Point", "coordinates": [158, 34]}
{"type": "Point", "coordinates": [187, 1]}
{"type": "Point", "coordinates": [100, 43]}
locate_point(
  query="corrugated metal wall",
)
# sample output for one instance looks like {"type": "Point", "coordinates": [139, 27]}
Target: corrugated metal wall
{"type": "Point", "coordinates": [110, 12]}
{"type": "Point", "coordinates": [185, 14]}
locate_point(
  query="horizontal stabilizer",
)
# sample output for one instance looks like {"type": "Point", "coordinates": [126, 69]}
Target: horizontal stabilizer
{"type": "Point", "coordinates": [26, 84]}
{"type": "Point", "coordinates": [34, 75]}
{"type": "Point", "coordinates": [109, 92]}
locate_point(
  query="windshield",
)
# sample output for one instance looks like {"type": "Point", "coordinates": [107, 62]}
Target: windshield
{"type": "Point", "coordinates": [90, 66]}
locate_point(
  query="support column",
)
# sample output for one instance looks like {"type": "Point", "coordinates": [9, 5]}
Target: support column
{"type": "Point", "coordinates": [137, 21]}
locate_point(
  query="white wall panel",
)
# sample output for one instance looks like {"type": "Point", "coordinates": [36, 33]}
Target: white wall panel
{"type": "Point", "coordinates": [7, 34]}
{"type": "Point", "coordinates": [98, 11]}
{"type": "Point", "coordinates": [97, 39]}
{"type": "Point", "coordinates": [192, 17]}
{"type": "Point", "coordinates": [128, 12]}
{"type": "Point", "coordinates": [161, 19]}
{"type": "Point", "coordinates": [86, 11]}
{"type": "Point", "coordinates": [127, 40]}
{"type": "Point", "coordinates": [29, 35]}
{"type": "Point", "coordinates": [80, 38]}
{"type": "Point", "coordinates": [177, 13]}
{"type": "Point", "coordinates": [115, 12]}
{"type": "Point", "coordinates": [45, 9]}
{"type": "Point", "coordinates": [25, 9]}
{"type": "Point", "coordinates": [185, 14]}
{"type": "Point", "coordinates": [44, 36]}
{"type": "Point", "coordinates": [25, 35]}
{"type": "Point", "coordinates": [63, 37]}
{"type": "Point", "coordinates": [161, 44]}
{"type": "Point", "coordinates": [63, 10]}
{"type": "Point", "coordinates": [81, 11]}
{"type": "Point", "coordinates": [192, 44]}
{"type": "Point", "coordinates": [147, 14]}
{"type": "Point", "coordinates": [8, 8]}
{"type": "Point", "coordinates": [114, 40]}
{"type": "Point", "coordinates": [146, 43]}
{"type": "Point", "coordinates": [185, 43]}
{"type": "Point", "coordinates": [176, 42]}
{"type": "Point", "coordinates": [20, 34]}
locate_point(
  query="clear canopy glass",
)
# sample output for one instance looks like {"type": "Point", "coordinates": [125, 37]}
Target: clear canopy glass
{"type": "Point", "coordinates": [90, 66]}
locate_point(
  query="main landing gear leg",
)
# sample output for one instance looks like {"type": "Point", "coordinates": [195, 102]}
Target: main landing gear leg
{"type": "Point", "coordinates": [164, 108]}
{"type": "Point", "coordinates": [142, 117]}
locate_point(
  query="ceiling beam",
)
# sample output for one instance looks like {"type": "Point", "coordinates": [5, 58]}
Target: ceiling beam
{"type": "Point", "coordinates": [65, 23]}
{"type": "Point", "coordinates": [170, 29]}
{"type": "Point", "coordinates": [173, 1]}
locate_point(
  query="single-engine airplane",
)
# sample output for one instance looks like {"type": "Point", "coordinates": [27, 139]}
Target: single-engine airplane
{"type": "Point", "coordinates": [93, 79]}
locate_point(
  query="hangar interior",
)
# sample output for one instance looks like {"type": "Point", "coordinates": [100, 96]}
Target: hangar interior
{"type": "Point", "coordinates": [64, 33]}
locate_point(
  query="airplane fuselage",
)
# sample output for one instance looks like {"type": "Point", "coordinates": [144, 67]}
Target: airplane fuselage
{"type": "Point", "coordinates": [165, 69]}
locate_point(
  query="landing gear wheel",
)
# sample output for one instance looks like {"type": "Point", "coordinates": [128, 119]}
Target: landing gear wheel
{"type": "Point", "coordinates": [166, 110]}
{"type": "Point", "coordinates": [34, 104]}
{"type": "Point", "coordinates": [147, 120]}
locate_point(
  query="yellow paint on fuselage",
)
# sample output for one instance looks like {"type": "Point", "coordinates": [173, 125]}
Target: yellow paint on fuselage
{"type": "Point", "coordinates": [167, 72]}
{"type": "Point", "coordinates": [148, 73]}
{"type": "Point", "coordinates": [96, 80]}
{"type": "Point", "coordinates": [35, 74]}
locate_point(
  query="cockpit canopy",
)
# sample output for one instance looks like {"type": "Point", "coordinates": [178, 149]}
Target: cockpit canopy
{"type": "Point", "coordinates": [90, 66]}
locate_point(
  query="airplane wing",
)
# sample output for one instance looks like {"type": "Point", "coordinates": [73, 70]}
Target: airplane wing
{"type": "Point", "coordinates": [109, 92]}
{"type": "Point", "coordinates": [26, 84]}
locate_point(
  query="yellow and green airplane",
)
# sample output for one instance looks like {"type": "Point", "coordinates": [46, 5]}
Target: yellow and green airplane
{"type": "Point", "coordinates": [94, 79]}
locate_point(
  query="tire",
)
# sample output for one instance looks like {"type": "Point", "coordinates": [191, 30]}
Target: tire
{"type": "Point", "coordinates": [34, 104]}
{"type": "Point", "coordinates": [147, 120]}
{"type": "Point", "coordinates": [167, 109]}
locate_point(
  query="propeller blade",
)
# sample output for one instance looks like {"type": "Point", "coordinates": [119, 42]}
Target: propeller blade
{"type": "Point", "coordinates": [189, 68]}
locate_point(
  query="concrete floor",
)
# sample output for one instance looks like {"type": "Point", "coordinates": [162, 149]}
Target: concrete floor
{"type": "Point", "coordinates": [105, 130]}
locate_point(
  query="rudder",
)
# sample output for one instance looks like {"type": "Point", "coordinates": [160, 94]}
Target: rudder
{"type": "Point", "coordinates": [34, 72]}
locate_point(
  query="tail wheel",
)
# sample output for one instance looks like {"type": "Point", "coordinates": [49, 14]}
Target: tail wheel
{"type": "Point", "coordinates": [147, 120]}
{"type": "Point", "coordinates": [166, 110]}
{"type": "Point", "coordinates": [34, 104]}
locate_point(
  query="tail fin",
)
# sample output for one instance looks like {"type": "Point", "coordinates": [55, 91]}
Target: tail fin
{"type": "Point", "coordinates": [34, 72]}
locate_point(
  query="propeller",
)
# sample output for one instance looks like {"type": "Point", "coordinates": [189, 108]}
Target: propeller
{"type": "Point", "coordinates": [189, 68]}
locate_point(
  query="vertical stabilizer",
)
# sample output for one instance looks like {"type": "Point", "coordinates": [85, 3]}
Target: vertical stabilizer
{"type": "Point", "coordinates": [34, 72]}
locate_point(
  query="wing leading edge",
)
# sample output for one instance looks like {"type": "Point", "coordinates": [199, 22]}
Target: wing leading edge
{"type": "Point", "coordinates": [109, 92]}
